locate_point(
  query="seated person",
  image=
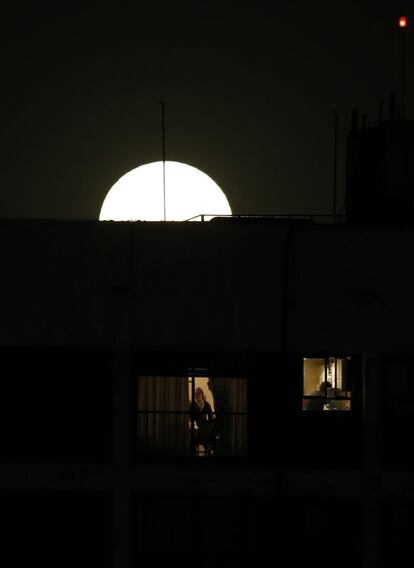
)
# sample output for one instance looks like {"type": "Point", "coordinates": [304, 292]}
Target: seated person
{"type": "Point", "coordinates": [320, 397]}
{"type": "Point", "coordinates": [333, 403]}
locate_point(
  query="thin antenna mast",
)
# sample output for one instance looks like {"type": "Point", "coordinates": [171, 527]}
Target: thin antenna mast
{"type": "Point", "coordinates": [335, 163]}
{"type": "Point", "coordinates": [163, 154]}
{"type": "Point", "coordinates": [402, 24]}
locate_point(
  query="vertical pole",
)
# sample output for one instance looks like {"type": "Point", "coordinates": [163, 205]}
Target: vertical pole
{"type": "Point", "coordinates": [163, 155]}
{"type": "Point", "coordinates": [193, 440]}
{"type": "Point", "coordinates": [371, 466]}
{"type": "Point", "coordinates": [402, 70]}
{"type": "Point", "coordinates": [335, 163]}
{"type": "Point", "coordinates": [122, 440]}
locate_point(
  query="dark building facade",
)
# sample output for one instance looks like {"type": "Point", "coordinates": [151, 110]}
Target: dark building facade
{"type": "Point", "coordinates": [91, 311]}
{"type": "Point", "coordinates": [107, 330]}
{"type": "Point", "coordinates": [380, 170]}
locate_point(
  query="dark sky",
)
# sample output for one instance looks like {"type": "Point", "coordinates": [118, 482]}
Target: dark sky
{"type": "Point", "coordinates": [249, 91]}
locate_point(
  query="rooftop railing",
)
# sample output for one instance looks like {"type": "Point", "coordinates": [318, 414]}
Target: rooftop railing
{"type": "Point", "coordinates": [315, 218]}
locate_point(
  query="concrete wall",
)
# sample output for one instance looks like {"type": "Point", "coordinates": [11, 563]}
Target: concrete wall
{"type": "Point", "coordinates": [206, 285]}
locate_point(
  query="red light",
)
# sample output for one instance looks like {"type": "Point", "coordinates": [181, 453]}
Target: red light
{"type": "Point", "coordinates": [402, 22]}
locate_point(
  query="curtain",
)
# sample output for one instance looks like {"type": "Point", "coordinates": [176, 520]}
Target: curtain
{"type": "Point", "coordinates": [230, 402]}
{"type": "Point", "coordinates": [163, 422]}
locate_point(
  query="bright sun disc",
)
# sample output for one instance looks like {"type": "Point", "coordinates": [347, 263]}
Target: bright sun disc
{"type": "Point", "coordinates": [139, 195]}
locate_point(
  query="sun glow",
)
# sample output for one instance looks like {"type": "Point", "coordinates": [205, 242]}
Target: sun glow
{"type": "Point", "coordinates": [139, 195]}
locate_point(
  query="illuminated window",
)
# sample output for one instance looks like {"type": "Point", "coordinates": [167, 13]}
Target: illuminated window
{"type": "Point", "coordinates": [194, 415]}
{"type": "Point", "coordinates": [326, 384]}
{"type": "Point", "coordinates": [203, 422]}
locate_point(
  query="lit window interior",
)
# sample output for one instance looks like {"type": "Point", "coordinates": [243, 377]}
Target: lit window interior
{"type": "Point", "coordinates": [326, 384]}
{"type": "Point", "coordinates": [193, 415]}
{"type": "Point", "coordinates": [202, 420]}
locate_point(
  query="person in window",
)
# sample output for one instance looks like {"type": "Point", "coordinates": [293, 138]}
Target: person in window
{"type": "Point", "coordinates": [333, 402]}
{"type": "Point", "coordinates": [319, 396]}
{"type": "Point", "coordinates": [202, 414]}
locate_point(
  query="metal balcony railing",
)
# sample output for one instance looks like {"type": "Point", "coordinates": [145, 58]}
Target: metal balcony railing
{"type": "Point", "coordinates": [315, 218]}
{"type": "Point", "coordinates": [175, 434]}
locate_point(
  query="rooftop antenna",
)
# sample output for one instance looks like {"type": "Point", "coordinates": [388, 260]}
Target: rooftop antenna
{"type": "Point", "coordinates": [354, 120]}
{"type": "Point", "coordinates": [391, 105]}
{"type": "Point", "coordinates": [364, 121]}
{"type": "Point", "coordinates": [402, 24]}
{"type": "Point", "coordinates": [380, 110]}
{"type": "Point", "coordinates": [163, 154]}
{"type": "Point", "coordinates": [335, 162]}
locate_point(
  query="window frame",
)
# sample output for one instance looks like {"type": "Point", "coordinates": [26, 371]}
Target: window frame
{"type": "Point", "coordinates": [173, 364]}
{"type": "Point", "coordinates": [402, 401]}
{"type": "Point", "coordinates": [326, 356]}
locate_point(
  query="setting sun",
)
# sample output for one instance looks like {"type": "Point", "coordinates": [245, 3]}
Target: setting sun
{"type": "Point", "coordinates": [139, 195]}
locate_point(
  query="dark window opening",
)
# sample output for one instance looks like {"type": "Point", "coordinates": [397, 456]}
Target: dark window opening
{"type": "Point", "coordinates": [398, 411]}
{"type": "Point", "coordinates": [195, 415]}
{"type": "Point", "coordinates": [326, 384]}
{"type": "Point", "coordinates": [56, 404]}
{"type": "Point", "coordinates": [399, 383]}
{"type": "Point", "coordinates": [213, 531]}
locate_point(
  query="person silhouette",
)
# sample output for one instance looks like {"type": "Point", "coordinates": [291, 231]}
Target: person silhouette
{"type": "Point", "coordinates": [319, 396]}
{"type": "Point", "coordinates": [202, 414]}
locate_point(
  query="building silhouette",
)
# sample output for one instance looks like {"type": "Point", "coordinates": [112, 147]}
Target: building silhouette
{"type": "Point", "coordinates": [106, 330]}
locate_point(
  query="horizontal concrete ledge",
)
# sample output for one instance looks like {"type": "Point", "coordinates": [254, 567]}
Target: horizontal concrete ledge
{"type": "Point", "coordinates": [46, 476]}
{"type": "Point", "coordinates": [247, 480]}
{"type": "Point", "coordinates": [341, 484]}
{"type": "Point", "coordinates": [212, 479]}
{"type": "Point", "coordinates": [204, 479]}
